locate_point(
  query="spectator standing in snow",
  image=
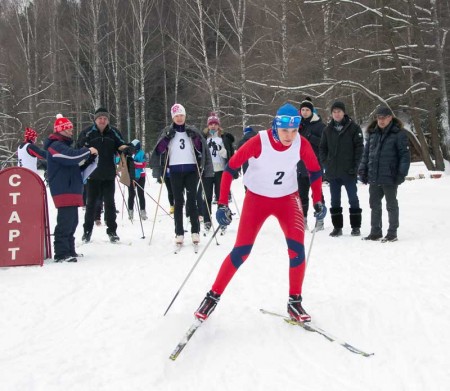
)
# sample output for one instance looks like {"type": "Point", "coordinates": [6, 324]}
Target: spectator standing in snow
{"type": "Point", "coordinates": [271, 180]}
{"type": "Point", "coordinates": [187, 155]}
{"type": "Point", "coordinates": [137, 174]}
{"type": "Point", "coordinates": [220, 146]}
{"type": "Point", "coordinates": [247, 135]}
{"type": "Point", "coordinates": [311, 128]}
{"type": "Point", "coordinates": [66, 185]}
{"type": "Point", "coordinates": [384, 166]}
{"type": "Point", "coordinates": [102, 182]}
{"type": "Point", "coordinates": [340, 152]}
{"type": "Point", "coordinates": [28, 153]}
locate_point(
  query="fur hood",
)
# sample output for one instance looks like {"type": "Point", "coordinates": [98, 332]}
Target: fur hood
{"type": "Point", "coordinates": [396, 123]}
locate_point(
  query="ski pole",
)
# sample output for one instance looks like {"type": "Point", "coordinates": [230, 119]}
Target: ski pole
{"type": "Point", "coordinates": [235, 203]}
{"type": "Point", "coordinates": [192, 269]}
{"type": "Point", "coordinates": [159, 196]}
{"type": "Point", "coordinates": [138, 206]}
{"type": "Point", "coordinates": [156, 202]}
{"type": "Point", "coordinates": [123, 198]}
{"type": "Point", "coordinates": [311, 244]}
{"type": "Point", "coordinates": [203, 188]}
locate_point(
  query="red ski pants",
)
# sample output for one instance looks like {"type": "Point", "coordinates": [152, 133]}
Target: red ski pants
{"type": "Point", "coordinates": [288, 211]}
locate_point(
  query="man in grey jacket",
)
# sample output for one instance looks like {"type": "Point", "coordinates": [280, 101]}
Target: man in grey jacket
{"type": "Point", "coordinates": [384, 165]}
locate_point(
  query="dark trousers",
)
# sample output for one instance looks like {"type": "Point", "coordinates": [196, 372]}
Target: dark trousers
{"type": "Point", "coordinates": [217, 180]}
{"type": "Point", "coordinates": [140, 191]}
{"type": "Point", "coordinates": [66, 224]}
{"type": "Point", "coordinates": [96, 188]}
{"type": "Point", "coordinates": [181, 181]}
{"type": "Point", "coordinates": [303, 190]}
{"type": "Point", "coordinates": [376, 194]}
{"type": "Point", "coordinates": [208, 183]}
{"type": "Point", "coordinates": [352, 192]}
{"type": "Point", "coordinates": [169, 190]}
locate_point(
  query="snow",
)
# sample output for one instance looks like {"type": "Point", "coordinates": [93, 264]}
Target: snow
{"type": "Point", "coordinates": [99, 325]}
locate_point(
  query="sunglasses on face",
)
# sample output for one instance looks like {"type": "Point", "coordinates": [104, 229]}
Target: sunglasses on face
{"type": "Point", "coordinates": [285, 121]}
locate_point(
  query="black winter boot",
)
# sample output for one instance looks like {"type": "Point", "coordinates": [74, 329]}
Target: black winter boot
{"type": "Point", "coordinates": [337, 220]}
{"type": "Point", "coordinates": [355, 221]}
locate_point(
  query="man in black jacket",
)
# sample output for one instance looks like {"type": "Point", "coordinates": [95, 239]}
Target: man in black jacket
{"type": "Point", "coordinates": [311, 128]}
{"type": "Point", "coordinates": [341, 149]}
{"type": "Point", "coordinates": [384, 165]}
{"type": "Point", "coordinates": [101, 183]}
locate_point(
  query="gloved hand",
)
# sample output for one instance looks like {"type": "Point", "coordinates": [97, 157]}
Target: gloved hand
{"type": "Point", "coordinates": [129, 150]}
{"type": "Point", "coordinates": [190, 133]}
{"type": "Point", "coordinates": [320, 211]}
{"type": "Point", "coordinates": [159, 180]}
{"type": "Point", "coordinates": [170, 134]}
{"type": "Point", "coordinates": [363, 177]}
{"type": "Point", "coordinates": [236, 174]}
{"type": "Point", "coordinates": [223, 215]}
{"type": "Point", "coordinates": [400, 179]}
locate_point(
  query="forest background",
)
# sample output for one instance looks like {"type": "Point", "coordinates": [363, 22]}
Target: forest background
{"type": "Point", "coordinates": [238, 58]}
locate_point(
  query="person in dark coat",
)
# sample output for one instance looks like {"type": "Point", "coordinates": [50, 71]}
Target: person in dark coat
{"type": "Point", "coordinates": [384, 166]}
{"type": "Point", "coordinates": [340, 152]}
{"type": "Point", "coordinates": [248, 134]}
{"type": "Point", "coordinates": [66, 185]}
{"type": "Point", "coordinates": [182, 149]}
{"type": "Point", "coordinates": [108, 141]}
{"type": "Point", "coordinates": [311, 128]}
{"type": "Point", "coordinates": [220, 147]}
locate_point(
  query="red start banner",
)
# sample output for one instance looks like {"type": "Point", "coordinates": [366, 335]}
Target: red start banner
{"type": "Point", "coordinates": [24, 226]}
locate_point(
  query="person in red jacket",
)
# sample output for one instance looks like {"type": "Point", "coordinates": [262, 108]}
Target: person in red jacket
{"type": "Point", "coordinates": [271, 180]}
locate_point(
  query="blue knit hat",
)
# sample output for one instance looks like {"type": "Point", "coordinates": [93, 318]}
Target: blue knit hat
{"type": "Point", "coordinates": [287, 117]}
{"type": "Point", "coordinates": [248, 129]}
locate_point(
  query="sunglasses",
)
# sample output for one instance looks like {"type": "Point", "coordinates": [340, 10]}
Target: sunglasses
{"type": "Point", "coordinates": [286, 121]}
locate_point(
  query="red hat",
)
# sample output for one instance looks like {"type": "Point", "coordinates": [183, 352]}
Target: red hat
{"type": "Point", "coordinates": [62, 124]}
{"type": "Point", "coordinates": [213, 119]}
{"type": "Point", "coordinates": [30, 135]}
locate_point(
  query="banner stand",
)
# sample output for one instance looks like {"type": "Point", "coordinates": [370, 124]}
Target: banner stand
{"type": "Point", "coordinates": [24, 219]}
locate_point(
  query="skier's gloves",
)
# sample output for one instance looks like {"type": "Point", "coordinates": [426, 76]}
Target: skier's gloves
{"type": "Point", "coordinates": [190, 133]}
{"type": "Point", "coordinates": [320, 211]}
{"type": "Point", "coordinates": [170, 134]}
{"type": "Point", "coordinates": [223, 215]}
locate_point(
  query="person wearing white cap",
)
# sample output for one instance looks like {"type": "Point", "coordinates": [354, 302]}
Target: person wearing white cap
{"type": "Point", "coordinates": [184, 150]}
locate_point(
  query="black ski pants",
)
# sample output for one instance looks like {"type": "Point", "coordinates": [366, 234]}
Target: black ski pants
{"type": "Point", "coordinates": [180, 182]}
{"type": "Point", "coordinates": [96, 188]}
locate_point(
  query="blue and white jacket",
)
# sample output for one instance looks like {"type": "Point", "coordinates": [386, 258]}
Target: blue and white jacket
{"type": "Point", "coordinates": [63, 169]}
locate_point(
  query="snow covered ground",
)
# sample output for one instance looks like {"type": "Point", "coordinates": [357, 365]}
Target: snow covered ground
{"type": "Point", "coordinates": [99, 325]}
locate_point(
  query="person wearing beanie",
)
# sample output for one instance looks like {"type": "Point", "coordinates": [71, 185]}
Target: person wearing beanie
{"type": "Point", "coordinates": [220, 146]}
{"type": "Point", "coordinates": [384, 166]}
{"type": "Point", "coordinates": [271, 179]}
{"type": "Point", "coordinates": [101, 183]}
{"type": "Point", "coordinates": [138, 162]}
{"type": "Point", "coordinates": [182, 149]}
{"type": "Point", "coordinates": [337, 105]}
{"type": "Point", "coordinates": [28, 153]}
{"type": "Point", "coordinates": [340, 152]}
{"type": "Point", "coordinates": [311, 128]}
{"type": "Point", "coordinates": [65, 165]}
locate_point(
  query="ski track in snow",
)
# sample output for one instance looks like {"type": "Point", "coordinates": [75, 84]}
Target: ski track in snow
{"type": "Point", "coordinates": [99, 325]}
